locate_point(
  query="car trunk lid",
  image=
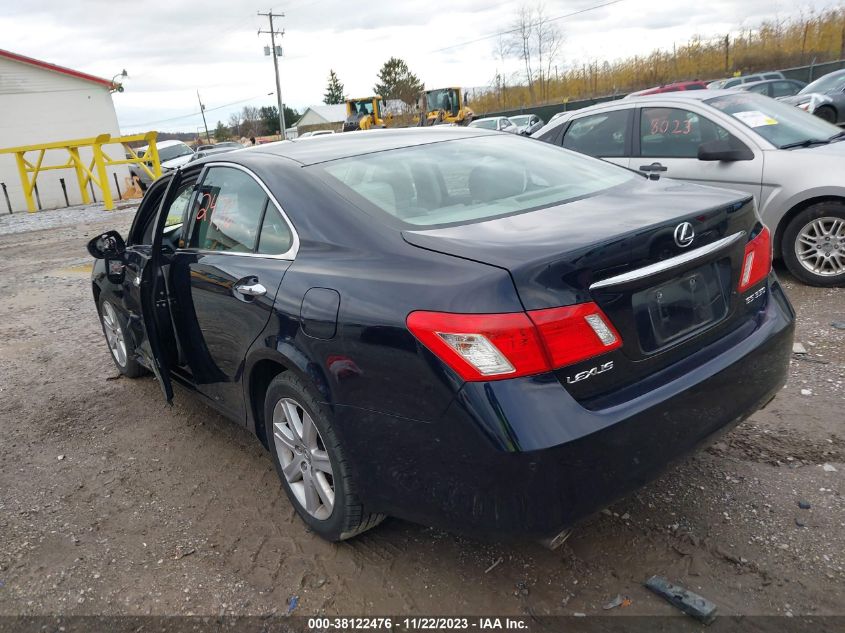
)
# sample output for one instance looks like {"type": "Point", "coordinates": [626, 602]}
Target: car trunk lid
{"type": "Point", "coordinates": [662, 261]}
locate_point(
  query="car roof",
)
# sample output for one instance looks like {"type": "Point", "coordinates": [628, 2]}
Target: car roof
{"type": "Point", "coordinates": [345, 145]}
{"type": "Point", "coordinates": [162, 145]}
{"type": "Point", "coordinates": [170, 143]}
{"type": "Point", "coordinates": [769, 81]}
{"type": "Point", "coordinates": [684, 96]}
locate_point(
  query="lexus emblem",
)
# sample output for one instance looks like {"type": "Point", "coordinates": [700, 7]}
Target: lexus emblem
{"type": "Point", "coordinates": [684, 234]}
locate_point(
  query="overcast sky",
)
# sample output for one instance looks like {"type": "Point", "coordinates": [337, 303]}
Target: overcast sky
{"type": "Point", "coordinates": [172, 48]}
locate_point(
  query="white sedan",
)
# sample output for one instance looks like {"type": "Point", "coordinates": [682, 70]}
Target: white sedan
{"type": "Point", "coordinates": [500, 123]}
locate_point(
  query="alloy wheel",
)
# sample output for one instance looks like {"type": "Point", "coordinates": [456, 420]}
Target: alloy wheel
{"type": "Point", "coordinates": [114, 334]}
{"type": "Point", "coordinates": [820, 246]}
{"type": "Point", "coordinates": [304, 459]}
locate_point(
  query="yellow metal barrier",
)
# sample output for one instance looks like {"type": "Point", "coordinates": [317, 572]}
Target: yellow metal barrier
{"type": "Point", "coordinates": [95, 172]}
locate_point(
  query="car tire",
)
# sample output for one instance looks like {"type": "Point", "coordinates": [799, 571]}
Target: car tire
{"type": "Point", "coordinates": [310, 461]}
{"type": "Point", "coordinates": [121, 348]}
{"type": "Point", "coordinates": [826, 113]}
{"type": "Point", "coordinates": [805, 245]}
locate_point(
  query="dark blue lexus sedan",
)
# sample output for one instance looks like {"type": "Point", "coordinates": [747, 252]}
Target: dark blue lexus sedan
{"type": "Point", "coordinates": [461, 328]}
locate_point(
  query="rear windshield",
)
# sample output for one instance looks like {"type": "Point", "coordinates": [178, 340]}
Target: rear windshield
{"type": "Point", "coordinates": [472, 179]}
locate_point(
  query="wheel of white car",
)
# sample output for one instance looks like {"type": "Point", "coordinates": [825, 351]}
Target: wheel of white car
{"type": "Point", "coordinates": [814, 244]}
{"type": "Point", "coordinates": [120, 344]}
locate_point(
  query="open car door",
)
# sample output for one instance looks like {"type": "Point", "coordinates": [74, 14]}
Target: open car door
{"type": "Point", "coordinates": [154, 299]}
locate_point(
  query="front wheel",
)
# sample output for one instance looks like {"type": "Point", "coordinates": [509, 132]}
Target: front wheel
{"type": "Point", "coordinates": [120, 345]}
{"type": "Point", "coordinates": [826, 113]}
{"type": "Point", "coordinates": [311, 463]}
{"type": "Point", "coordinates": [814, 244]}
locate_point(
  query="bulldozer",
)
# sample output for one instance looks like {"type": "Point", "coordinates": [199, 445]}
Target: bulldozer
{"type": "Point", "coordinates": [364, 113]}
{"type": "Point", "coordinates": [445, 105]}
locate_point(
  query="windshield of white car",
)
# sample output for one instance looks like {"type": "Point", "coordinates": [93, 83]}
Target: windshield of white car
{"type": "Point", "coordinates": [469, 180]}
{"type": "Point", "coordinates": [174, 151]}
{"type": "Point", "coordinates": [487, 124]}
{"type": "Point", "coordinates": [520, 119]}
{"type": "Point", "coordinates": [783, 125]}
{"type": "Point", "coordinates": [828, 83]}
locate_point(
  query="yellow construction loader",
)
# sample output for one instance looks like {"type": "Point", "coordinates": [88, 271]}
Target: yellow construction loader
{"type": "Point", "coordinates": [445, 105]}
{"type": "Point", "coordinates": [364, 113]}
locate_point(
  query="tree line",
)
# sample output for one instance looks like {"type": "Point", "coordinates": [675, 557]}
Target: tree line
{"type": "Point", "coordinates": [254, 121]}
{"type": "Point", "coordinates": [545, 77]}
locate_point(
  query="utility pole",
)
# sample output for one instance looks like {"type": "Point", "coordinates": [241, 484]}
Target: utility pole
{"type": "Point", "coordinates": [273, 33]}
{"type": "Point", "coordinates": [202, 110]}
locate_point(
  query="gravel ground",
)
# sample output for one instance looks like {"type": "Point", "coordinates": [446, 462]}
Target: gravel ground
{"type": "Point", "coordinates": [113, 503]}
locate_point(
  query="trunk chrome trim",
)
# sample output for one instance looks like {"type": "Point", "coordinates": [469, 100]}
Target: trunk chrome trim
{"type": "Point", "coordinates": [666, 264]}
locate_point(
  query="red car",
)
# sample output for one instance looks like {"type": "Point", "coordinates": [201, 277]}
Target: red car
{"type": "Point", "coordinates": [675, 87]}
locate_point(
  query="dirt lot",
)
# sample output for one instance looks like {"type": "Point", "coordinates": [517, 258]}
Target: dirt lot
{"type": "Point", "coordinates": [113, 503]}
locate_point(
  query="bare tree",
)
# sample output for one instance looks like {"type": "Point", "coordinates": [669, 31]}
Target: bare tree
{"type": "Point", "coordinates": [521, 42]}
{"type": "Point", "coordinates": [252, 124]}
{"type": "Point", "coordinates": [548, 40]}
{"type": "Point", "coordinates": [536, 40]}
{"type": "Point", "coordinates": [235, 123]}
{"type": "Point", "coordinates": [501, 52]}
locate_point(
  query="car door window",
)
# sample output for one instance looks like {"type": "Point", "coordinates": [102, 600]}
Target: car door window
{"type": "Point", "coordinates": [276, 237]}
{"type": "Point", "coordinates": [677, 133]}
{"type": "Point", "coordinates": [228, 211]}
{"type": "Point", "coordinates": [783, 89]}
{"type": "Point", "coordinates": [762, 89]}
{"type": "Point", "coordinates": [175, 214]}
{"type": "Point", "coordinates": [598, 134]}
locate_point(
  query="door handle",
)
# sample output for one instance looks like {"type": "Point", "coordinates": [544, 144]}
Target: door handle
{"type": "Point", "coordinates": [251, 290]}
{"type": "Point", "coordinates": [653, 171]}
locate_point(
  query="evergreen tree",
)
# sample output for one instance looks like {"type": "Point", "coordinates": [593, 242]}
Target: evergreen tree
{"type": "Point", "coordinates": [221, 132]}
{"type": "Point", "coordinates": [334, 91]}
{"type": "Point", "coordinates": [396, 81]}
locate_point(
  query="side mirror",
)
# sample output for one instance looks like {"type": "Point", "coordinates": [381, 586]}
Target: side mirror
{"type": "Point", "coordinates": [723, 151]}
{"type": "Point", "coordinates": [108, 245]}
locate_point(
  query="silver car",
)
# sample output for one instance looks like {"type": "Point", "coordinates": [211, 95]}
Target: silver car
{"type": "Point", "coordinates": [500, 123]}
{"type": "Point", "coordinates": [791, 162]}
{"type": "Point", "coordinates": [527, 124]}
{"type": "Point", "coordinates": [825, 97]}
{"type": "Point", "coordinates": [732, 82]}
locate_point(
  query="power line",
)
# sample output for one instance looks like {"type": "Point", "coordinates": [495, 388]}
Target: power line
{"type": "Point", "coordinates": [193, 114]}
{"type": "Point", "coordinates": [555, 19]}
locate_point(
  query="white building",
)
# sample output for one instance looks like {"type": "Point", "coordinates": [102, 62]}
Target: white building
{"type": "Point", "coordinates": [322, 117]}
{"type": "Point", "coordinates": [43, 103]}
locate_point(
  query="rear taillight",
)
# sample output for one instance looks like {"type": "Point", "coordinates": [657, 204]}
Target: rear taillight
{"type": "Point", "coordinates": [481, 346]}
{"type": "Point", "coordinates": [495, 346]}
{"type": "Point", "coordinates": [757, 262]}
{"type": "Point", "coordinates": [575, 333]}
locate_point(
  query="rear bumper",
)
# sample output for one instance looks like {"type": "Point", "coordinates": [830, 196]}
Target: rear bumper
{"type": "Point", "coordinates": [523, 457]}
